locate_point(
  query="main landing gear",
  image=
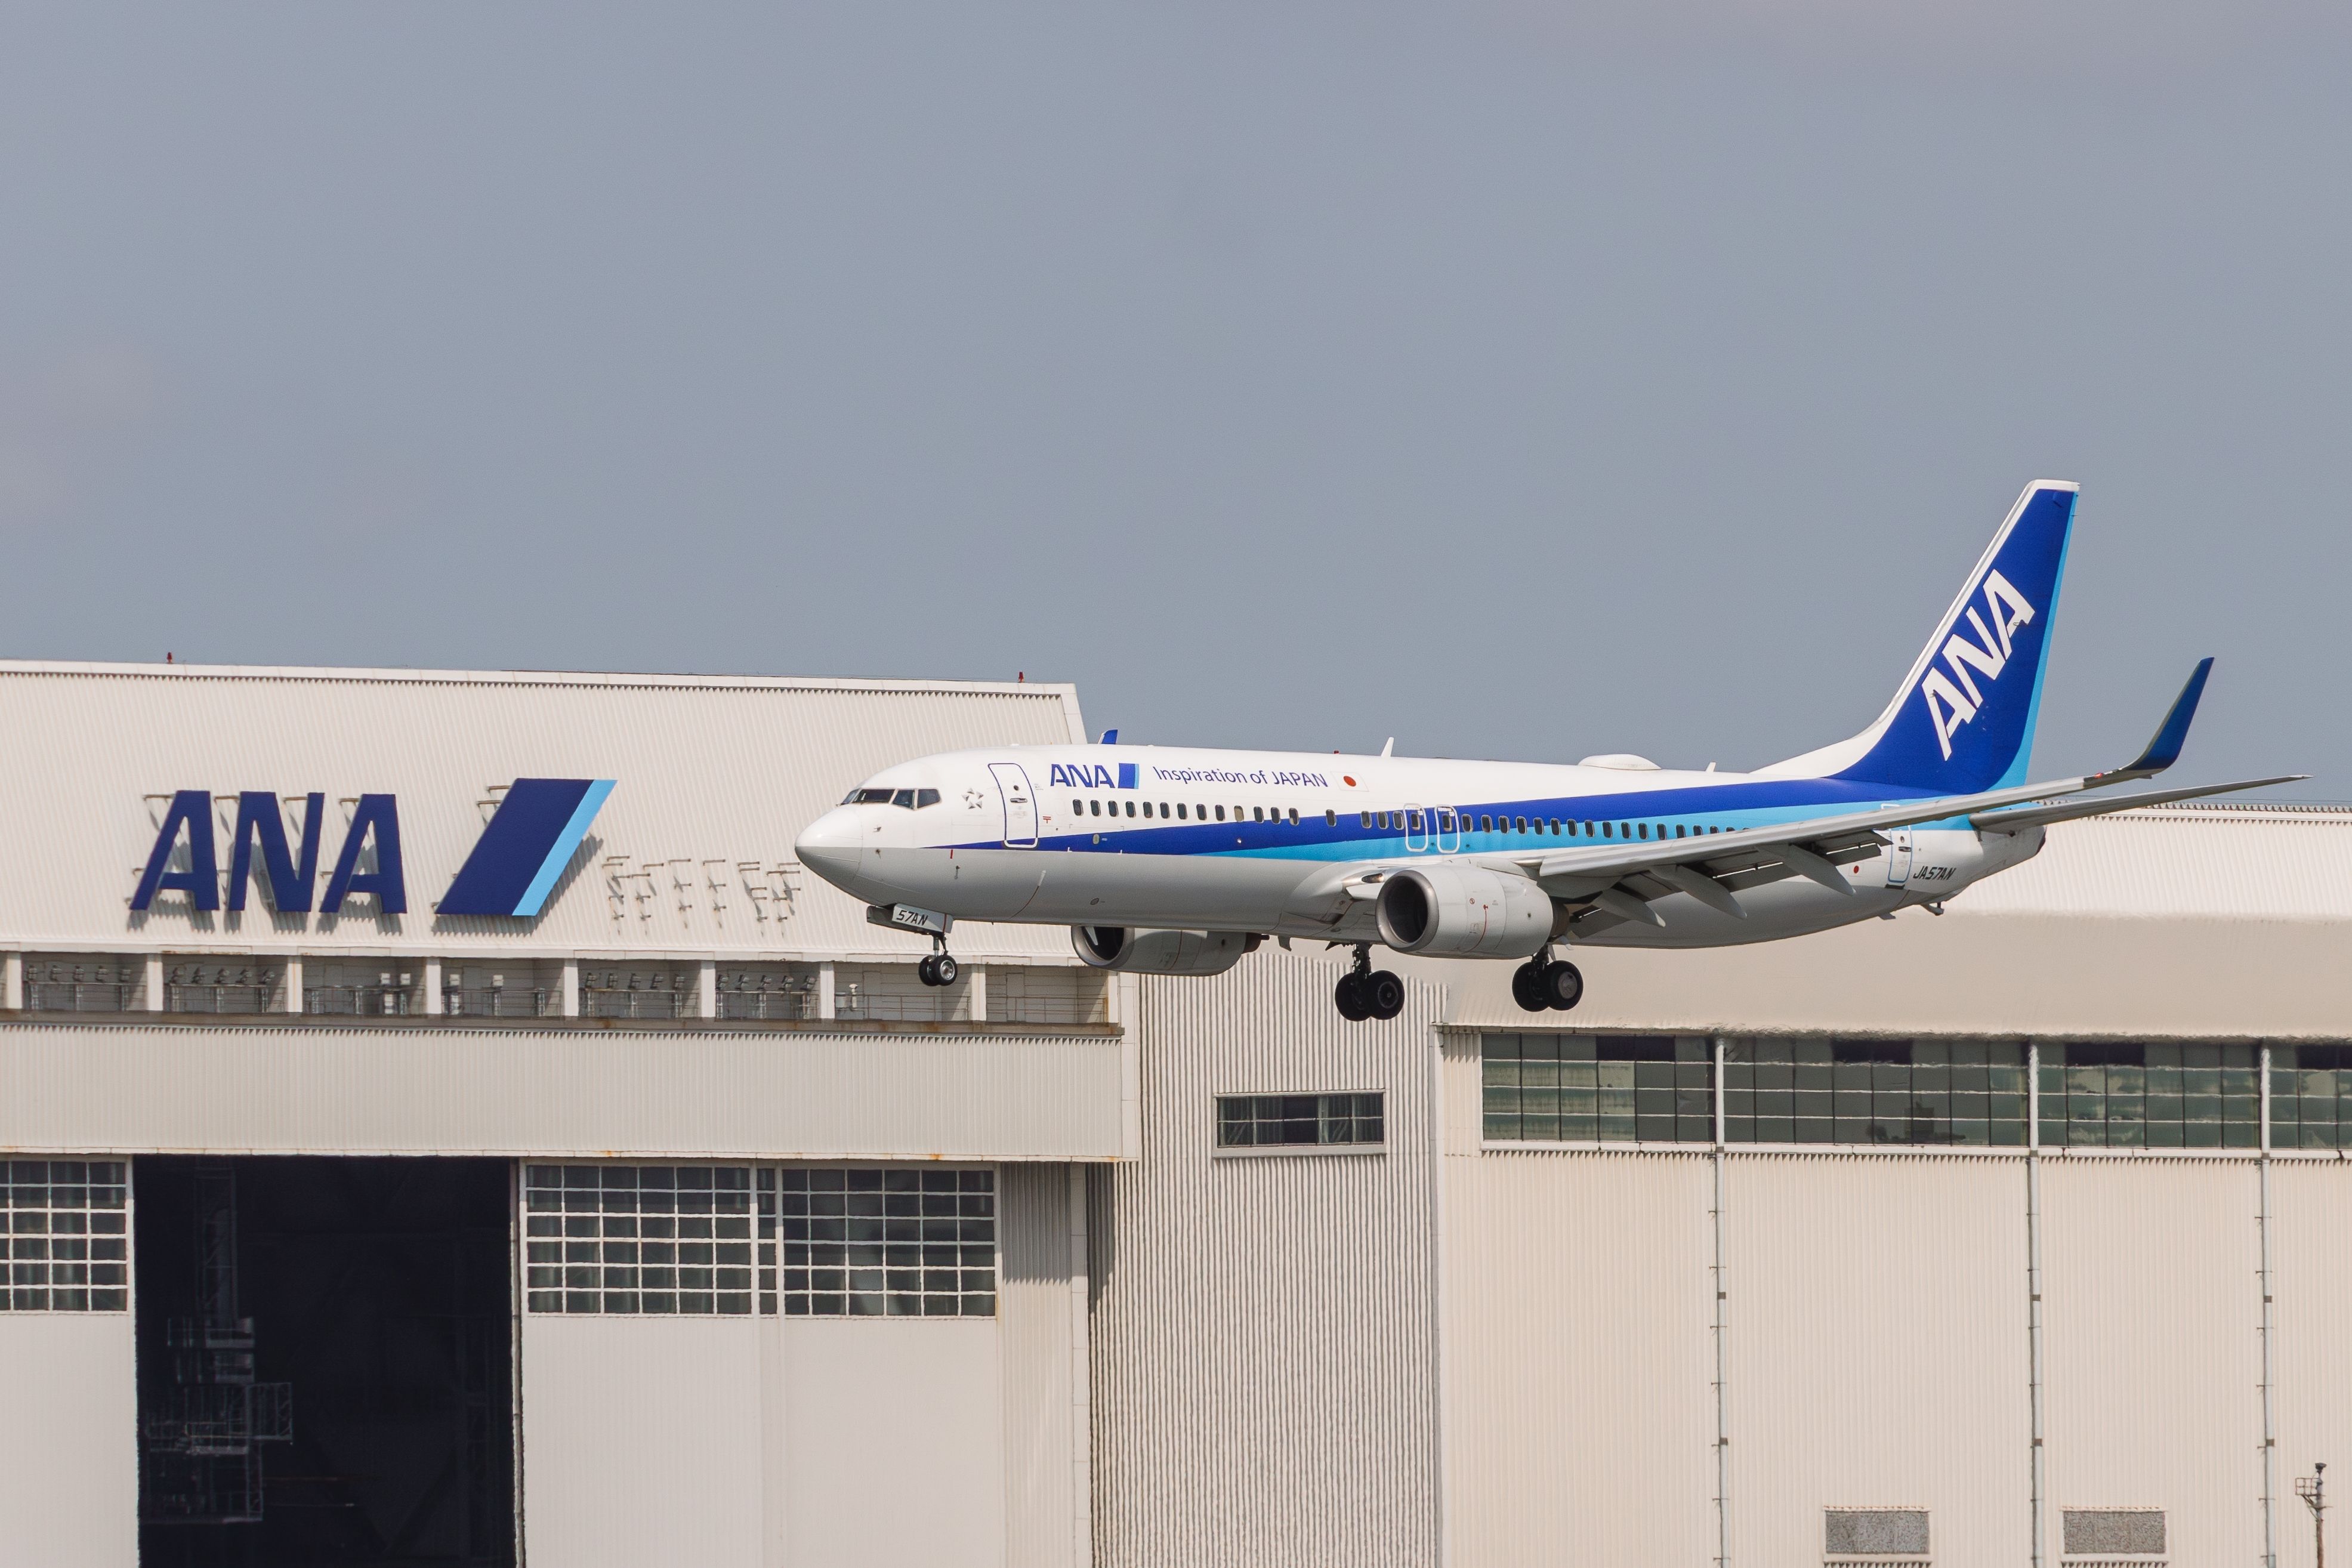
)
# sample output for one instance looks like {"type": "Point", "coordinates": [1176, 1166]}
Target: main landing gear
{"type": "Point", "coordinates": [1368, 992]}
{"type": "Point", "coordinates": [938, 968]}
{"type": "Point", "coordinates": [1545, 984]}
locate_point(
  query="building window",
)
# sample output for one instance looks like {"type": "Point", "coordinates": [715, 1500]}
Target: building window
{"type": "Point", "coordinates": [2152, 1097]}
{"type": "Point", "coordinates": [1543, 1088]}
{"type": "Point", "coordinates": [872, 1242]}
{"type": "Point", "coordinates": [1874, 1534]}
{"type": "Point", "coordinates": [192, 987]}
{"type": "Point", "coordinates": [1299, 1121]}
{"type": "Point", "coordinates": [1874, 1091]}
{"type": "Point", "coordinates": [637, 1239]}
{"type": "Point", "coordinates": [2104, 1533]}
{"type": "Point", "coordinates": [69, 1245]}
{"type": "Point", "coordinates": [2311, 1096]}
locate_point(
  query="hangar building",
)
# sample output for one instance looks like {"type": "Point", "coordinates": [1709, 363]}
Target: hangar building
{"type": "Point", "coordinates": [442, 1125]}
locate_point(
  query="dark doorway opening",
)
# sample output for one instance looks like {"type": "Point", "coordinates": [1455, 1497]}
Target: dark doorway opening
{"type": "Point", "coordinates": [325, 1361]}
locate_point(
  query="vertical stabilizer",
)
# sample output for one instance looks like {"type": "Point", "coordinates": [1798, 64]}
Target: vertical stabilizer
{"type": "Point", "coordinates": [1963, 719]}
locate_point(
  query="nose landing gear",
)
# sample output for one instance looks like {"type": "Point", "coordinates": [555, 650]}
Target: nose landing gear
{"type": "Point", "coordinates": [1543, 983]}
{"type": "Point", "coordinates": [938, 968]}
{"type": "Point", "coordinates": [1368, 992]}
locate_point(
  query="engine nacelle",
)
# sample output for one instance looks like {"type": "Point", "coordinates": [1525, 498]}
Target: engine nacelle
{"type": "Point", "coordinates": [1160, 952]}
{"type": "Point", "coordinates": [1463, 911]}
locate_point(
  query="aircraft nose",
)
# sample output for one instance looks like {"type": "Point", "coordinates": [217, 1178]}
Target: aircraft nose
{"type": "Point", "coordinates": [829, 847]}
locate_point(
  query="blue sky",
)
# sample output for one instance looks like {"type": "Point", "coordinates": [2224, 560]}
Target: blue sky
{"type": "Point", "coordinates": [1517, 380]}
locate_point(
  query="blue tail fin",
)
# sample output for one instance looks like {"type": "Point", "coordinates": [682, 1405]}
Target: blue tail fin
{"type": "Point", "coordinates": [1963, 719]}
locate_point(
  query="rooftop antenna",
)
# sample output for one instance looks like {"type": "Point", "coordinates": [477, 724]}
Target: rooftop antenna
{"type": "Point", "coordinates": [1388, 745]}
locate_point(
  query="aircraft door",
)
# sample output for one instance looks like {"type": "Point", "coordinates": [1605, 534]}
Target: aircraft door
{"type": "Point", "coordinates": [1020, 804]}
{"type": "Point", "coordinates": [1417, 822]}
{"type": "Point", "coordinates": [1898, 858]}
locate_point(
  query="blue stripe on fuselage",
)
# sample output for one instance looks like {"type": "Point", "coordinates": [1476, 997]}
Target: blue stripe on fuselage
{"type": "Point", "coordinates": [1729, 806]}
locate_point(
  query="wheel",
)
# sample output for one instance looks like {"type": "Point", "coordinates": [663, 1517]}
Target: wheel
{"type": "Point", "coordinates": [944, 969]}
{"type": "Point", "coordinates": [1383, 993]}
{"type": "Point", "coordinates": [1348, 996]}
{"type": "Point", "coordinates": [1528, 988]}
{"type": "Point", "coordinates": [1562, 984]}
{"type": "Point", "coordinates": [927, 972]}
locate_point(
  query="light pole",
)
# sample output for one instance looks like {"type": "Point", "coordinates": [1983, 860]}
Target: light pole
{"type": "Point", "coordinates": [2313, 1490]}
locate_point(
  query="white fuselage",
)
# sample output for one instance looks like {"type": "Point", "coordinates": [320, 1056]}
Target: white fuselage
{"type": "Point", "coordinates": [1255, 841]}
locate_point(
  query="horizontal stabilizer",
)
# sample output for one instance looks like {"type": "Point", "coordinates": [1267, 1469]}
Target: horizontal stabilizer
{"type": "Point", "coordinates": [2034, 813]}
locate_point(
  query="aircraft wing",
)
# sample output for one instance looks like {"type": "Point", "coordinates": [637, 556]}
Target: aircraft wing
{"type": "Point", "coordinates": [1621, 880]}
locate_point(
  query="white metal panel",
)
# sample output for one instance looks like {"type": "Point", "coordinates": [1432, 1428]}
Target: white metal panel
{"type": "Point", "coordinates": [1264, 1334]}
{"type": "Point", "coordinates": [1580, 1359]}
{"type": "Point", "coordinates": [2269, 864]}
{"type": "Point", "coordinates": [2152, 1301]}
{"type": "Point", "coordinates": [1878, 1350]}
{"type": "Point", "coordinates": [2067, 976]}
{"type": "Point", "coordinates": [893, 1447]}
{"type": "Point", "coordinates": [2311, 1204]}
{"type": "Point", "coordinates": [300, 1089]}
{"type": "Point", "coordinates": [1033, 1300]}
{"type": "Point", "coordinates": [642, 1441]}
{"type": "Point", "coordinates": [710, 774]}
{"type": "Point", "coordinates": [69, 1440]}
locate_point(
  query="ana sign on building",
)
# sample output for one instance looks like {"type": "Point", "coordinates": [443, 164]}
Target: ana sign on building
{"type": "Point", "coordinates": [511, 870]}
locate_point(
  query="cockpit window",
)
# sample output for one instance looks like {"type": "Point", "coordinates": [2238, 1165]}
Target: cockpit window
{"type": "Point", "coordinates": [910, 799]}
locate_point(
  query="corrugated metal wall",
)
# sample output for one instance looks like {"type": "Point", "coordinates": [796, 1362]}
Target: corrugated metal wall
{"type": "Point", "coordinates": [1043, 1517]}
{"type": "Point", "coordinates": [305, 1088]}
{"type": "Point", "coordinates": [1264, 1328]}
{"type": "Point", "coordinates": [1878, 1350]}
{"type": "Point", "coordinates": [1578, 1358]}
{"type": "Point", "coordinates": [2311, 1261]}
{"type": "Point", "coordinates": [2152, 1293]}
{"type": "Point", "coordinates": [69, 1440]}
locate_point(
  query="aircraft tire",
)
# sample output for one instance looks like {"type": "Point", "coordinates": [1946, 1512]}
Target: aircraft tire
{"type": "Point", "coordinates": [944, 969]}
{"type": "Point", "coordinates": [1528, 988]}
{"type": "Point", "coordinates": [1383, 993]}
{"type": "Point", "coordinates": [1349, 998]}
{"type": "Point", "coordinates": [1561, 985]}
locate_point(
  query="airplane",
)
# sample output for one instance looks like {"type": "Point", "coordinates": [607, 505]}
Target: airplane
{"type": "Point", "coordinates": [1177, 861]}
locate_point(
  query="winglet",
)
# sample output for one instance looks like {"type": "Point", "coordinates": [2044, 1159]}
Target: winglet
{"type": "Point", "coordinates": [1110, 738]}
{"type": "Point", "coordinates": [2163, 748]}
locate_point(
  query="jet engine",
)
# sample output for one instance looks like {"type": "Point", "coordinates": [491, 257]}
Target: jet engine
{"type": "Point", "coordinates": [1133, 952]}
{"type": "Point", "coordinates": [1463, 911]}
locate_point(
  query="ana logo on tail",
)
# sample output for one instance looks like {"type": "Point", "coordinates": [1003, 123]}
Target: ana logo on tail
{"type": "Point", "coordinates": [1951, 705]}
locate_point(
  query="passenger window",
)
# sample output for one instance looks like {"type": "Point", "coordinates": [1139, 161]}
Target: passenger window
{"type": "Point", "coordinates": [1330, 818]}
{"type": "Point", "coordinates": [1604, 830]}
{"type": "Point", "coordinates": [1678, 830]}
{"type": "Point", "coordinates": [1645, 829]}
{"type": "Point", "coordinates": [1095, 807]}
{"type": "Point", "coordinates": [1179, 811]}
{"type": "Point", "coordinates": [1220, 814]}
{"type": "Point", "coordinates": [1555, 827]}
{"type": "Point", "coordinates": [1258, 813]}
{"type": "Point", "coordinates": [1486, 825]}
{"type": "Point", "coordinates": [1363, 819]}
{"type": "Point", "coordinates": [1412, 821]}
{"type": "Point", "coordinates": [1294, 816]}
{"type": "Point", "coordinates": [1130, 808]}
{"type": "Point", "coordinates": [1077, 808]}
{"type": "Point", "coordinates": [1521, 823]}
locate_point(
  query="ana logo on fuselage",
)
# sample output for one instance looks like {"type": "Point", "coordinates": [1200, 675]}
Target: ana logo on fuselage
{"type": "Point", "coordinates": [1087, 775]}
{"type": "Point", "coordinates": [1953, 699]}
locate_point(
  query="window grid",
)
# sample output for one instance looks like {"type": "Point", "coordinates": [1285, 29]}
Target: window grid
{"type": "Point", "coordinates": [1300, 1121]}
{"type": "Point", "coordinates": [1542, 1088]}
{"type": "Point", "coordinates": [2311, 1096]}
{"type": "Point", "coordinates": [638, 1239]}
{"type": "Point", "coordinates": [69, 1236]}
{"type": "Point", "coordinates": [2127, 1096]}
{"type": "Point", "coordinates": [1968, 1092]}
{"type": "Point", "coordinates": [866, 1242]}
